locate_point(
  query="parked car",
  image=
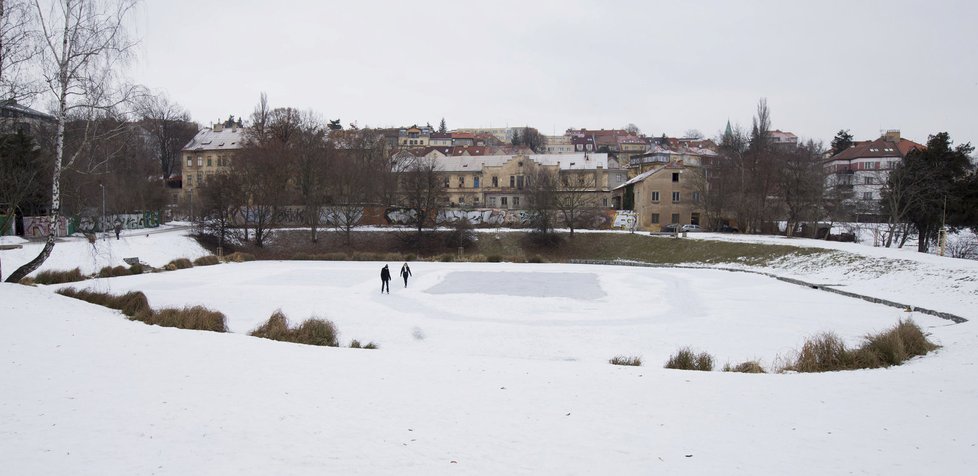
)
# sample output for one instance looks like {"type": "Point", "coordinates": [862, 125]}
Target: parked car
{"type": "Point", "coordinates": [691, 228]}
{"type": "Point", "coordinates": [671, 228]}
{"type": "Point", "coordinates": [729, 229]}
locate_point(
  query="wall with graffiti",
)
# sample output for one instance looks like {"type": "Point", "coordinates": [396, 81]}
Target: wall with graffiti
{"type": "Point", "coordinates": [37, 227]}
{"type": "Point", "coordinates": [129, 221]}
{"type": "Point", "coordinates": [625, 219]}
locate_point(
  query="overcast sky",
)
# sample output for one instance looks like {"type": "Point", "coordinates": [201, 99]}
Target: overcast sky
{"type": "Point", "coordinates": [667, 67]}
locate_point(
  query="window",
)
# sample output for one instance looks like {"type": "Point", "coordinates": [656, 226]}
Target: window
{"type": "Point", "coordinates": [867, 195]}
{"type": "Point", "coordinates": [190, 162]}
{"type": "Point", "coordinates": [655, 196]}
{"type": "Point", "coordinates": [868, 180]}
{"type": "Point", "coordinates": [503, 201]}
{"type": "Point", "coordinates": [495, 181]}
{"type": "Point", "coordinates": [492, 202]}
{"type": "Point", "coordinates": [675, 197]}
{"type": "Point", "coordinates": [209, 162]}
{"type": "Point", "coordinates": [519, 182]}
{"type": "Point", "coordinates": [675, 218]}
{"type": "Point", "coordinates": [446, 182]}
{"type": "Point", "coordinates": [190, 180]}
{"type": "Point", "coordinates": [512, 181]}
{"type": "Point", "coordinates": [655, 218]}
{"type": "Point", "coordinates": [604, 202]}
{"type": "Point", "coordinates": [516, 201]}
{"type": "Point", "coordinates": [675, 176]}
{"type": "Point", "coordinates": [200, 161]}
{"type": "Point", "coordinates": [461, 182]}
{"type": "Point", "coordinates": [696, 197]}
{"type": "Point", "coordinates": [461, 200]}
{"type": "Point", "coordinates": [475, 182]}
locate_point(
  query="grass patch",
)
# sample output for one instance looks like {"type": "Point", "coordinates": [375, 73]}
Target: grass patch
{"type": "Point", "coordinates": [111, 272]}
{"type": "Point", "coordinates": [131, 303]}
{"type": "Point", "coordinates": [58, 277]}
{"type": "Point", "coordinates": [208, 260]}
{"type": "Point", "coordinates": [828, 353]}
{"type": "Point", "coordinates": [355, 344]}
{"type": "Point", "coordinates": [313, 331]}
{"type": "Point", "coordinates": [135, 305]}
{"type": "Point", "coordinates": [191, 317]}
{"type": "Point", "coordinates": [626, 360]}
{"type": "Point", "coordinates": [240, 257]}
{"type": "Point", "coordinates": [179, 263]}
{"type": "Point", "coordinates": [686, 359]}
{"type": "Point", "coordinates": [749, 367]}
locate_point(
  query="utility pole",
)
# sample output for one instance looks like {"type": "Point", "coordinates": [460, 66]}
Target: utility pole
{"type": "Point", "coordinates": [942, 234]}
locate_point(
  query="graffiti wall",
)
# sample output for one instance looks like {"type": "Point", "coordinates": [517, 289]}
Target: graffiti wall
{"type": "Point", "coordinates": [37, 227]}
{"type": "Point", "coordinates": [625, 219]}
{"type": "Point", "coordinates": [129, 221]}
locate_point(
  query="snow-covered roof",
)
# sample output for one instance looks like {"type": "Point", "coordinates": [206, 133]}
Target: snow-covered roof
{"type": "Point", "coordinates": [640, 177]}
{"type": "Point", "coordinates": [564, 161]}
{"type": "Point", "coordinates": [226, 138]}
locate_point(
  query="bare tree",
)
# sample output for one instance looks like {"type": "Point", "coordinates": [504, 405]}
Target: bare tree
{"type": "Point", "coordinates": [310, 160]}
{"type": "Point", "coordinates": [423, 192]}
{"type": "Point", "coordinates": [171, 129]}
{"type": "Point", "coordinates": [83, 44]}
{"type": "Point", "coordinates": [359, 173]}
{"type": "Point", "coordinates": [221, 197]}
{"type": "Point", "coordinates": [17, 50]}
{"type": "Point", "coordinates": [802, 183]}
{"type": "Point", "coordinates": [693, 134]}
{"type": "Point", "coordinates": [541, 197]}
{"type": "Point", "coordinates": [576, 198]}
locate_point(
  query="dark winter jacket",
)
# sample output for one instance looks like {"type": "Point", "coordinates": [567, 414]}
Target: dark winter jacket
{"type": "Point", "coordinates": [405, 271]}
{"type": "Point", "coordinates": [385, 274]}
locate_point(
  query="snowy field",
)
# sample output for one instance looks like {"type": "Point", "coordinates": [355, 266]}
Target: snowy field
{"type": "Point", "coordinates": [484, 368]}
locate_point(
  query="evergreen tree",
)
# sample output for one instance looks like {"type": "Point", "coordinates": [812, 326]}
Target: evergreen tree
{"type": "Point", "coordinates": [442, 128]}
{"type": "Point", "coordinates": [842, 141]}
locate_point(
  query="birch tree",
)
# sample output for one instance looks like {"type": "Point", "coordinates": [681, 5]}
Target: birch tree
{"type": "Point", "coordinates": [83, 45]}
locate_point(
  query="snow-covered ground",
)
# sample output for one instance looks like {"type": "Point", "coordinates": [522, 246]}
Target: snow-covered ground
{"type": "Point", "coordinates": [488, 368]}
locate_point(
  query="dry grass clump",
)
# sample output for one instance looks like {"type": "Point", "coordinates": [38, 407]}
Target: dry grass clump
{"type": "Point", "coordinates": [58, 277]}
{"type": "Point", "coordinates": [179, 263]}
{"type": "Point", "coordinates": [313, 331]}
{"type": "Point", "coordinates": [191, 317]}
{"type": "Point", "coordinates": [626, 360]}
{"type": "Point", "coordinates": [131, 303]}
{"type": "Point", "coordinates": [827, 353]}
{"type": "Point", "coordinates": [355, 344]}
{"type": "Point", "coordinates": [749, 367]}
{"type": "Point", "coordinates": [240, 257]}
{"type": "Point", "coordinates": [208, 260]}
{"type": "Point", "coordinates": [494, 258]}
{"type": "Point", "coordinates": [686, 359]}
{"type": "Point", "coordinates": [111, 272]}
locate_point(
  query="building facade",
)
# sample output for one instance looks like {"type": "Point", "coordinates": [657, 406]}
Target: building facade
{"type": "Point", "coordinates": [209, 152]}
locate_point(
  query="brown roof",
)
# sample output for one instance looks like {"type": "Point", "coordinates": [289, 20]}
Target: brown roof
{"type": "Point", "coordinates": [878, 148]}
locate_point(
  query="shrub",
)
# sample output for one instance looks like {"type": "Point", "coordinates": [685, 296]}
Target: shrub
{"type": "Point", "coordinates": [446, 258]}
{"type": "Point", "coordinates": [626, 360]}
{"type": "Point", "coordinates": [111, 272]}
{"type": "Point", "coordinates": [208, 260]}
{"type": "Point", "coordinates": [749, 367]}
{"type": "Point", "coordinates": [313, 331]}
{"type": "Point", "coordinates": [192, 317]}
{"type": "Point", "coordinates": [240, 257]}
{"type": "Point", "coordinates": [411, 257]}
{"type": "Point", "coordinates": [136, 269]}
{"type": "Point", "coordinates": [180, 263]}
{"type": "Point", "coordinates": [316, 331]}
{"type": "Point", "coordinates": [827, 352]}
{"type": "Point", "coordinates": [535, 259]}
{"type": "Point", "coordinates": [823, 353]}
{"type": "Point", "coordinates": [686, 359]}
{"type": "Point", "coordinates": [355, 344]}
{"type": "Point", "coordinates": [57, 277]}
{"type": "Point", "coordinates": [170, 267]}
{"type": "Point", "coordinates": [494, 258]}
{"type": "Point", "coordinates": [475, 258]}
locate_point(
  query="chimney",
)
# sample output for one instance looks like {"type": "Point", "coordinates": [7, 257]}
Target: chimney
{"type": "Point", "coordinates": [893, 135]}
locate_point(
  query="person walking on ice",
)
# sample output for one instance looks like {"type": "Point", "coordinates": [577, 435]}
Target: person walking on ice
{"type": "Point", "coordinates": [385, 279]}
{"type": "Point", "coordinates": [405, 272]}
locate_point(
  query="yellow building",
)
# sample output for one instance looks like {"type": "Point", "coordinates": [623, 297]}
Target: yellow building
{"type": "Point", "coordinates": [210, 151]}
{"type": "Point", "coordinates": [664, 194]}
